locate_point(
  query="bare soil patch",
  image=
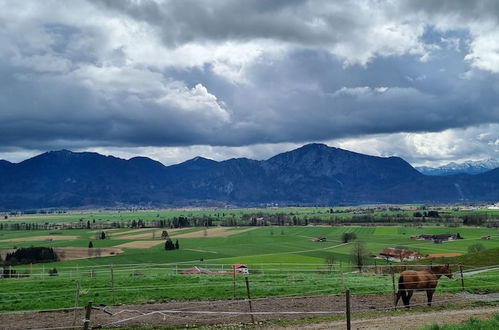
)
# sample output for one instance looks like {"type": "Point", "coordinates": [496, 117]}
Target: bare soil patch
{"type": "Point", "coordinates": [443, 255]}
{"type": "Point", "coordinates": [213, 232]}
{"type": "Point", "coordinates": [406, 321]}
{"type": "Point", "coordinates": [139, 244]}
{"type": "Point", "coordinates": [72, 253]}
{"type": "Point", "coordinates": [42, 238]}
{"type": "Point", "coordinates": [149, 234]}
{"type": "Point", "coordinates": [133, 231]}
{"type": "Point", "coordinates": [268, 309]}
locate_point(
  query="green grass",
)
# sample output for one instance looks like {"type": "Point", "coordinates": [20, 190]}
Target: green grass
{"type": "Point", "coordinates": [471, 324]}
{"type": "Point", "coordinates": [322, 213]}
{"type": "Point", "coordinates": [147, 283]}
{"type": "Point", "coordinates": [283, 261]}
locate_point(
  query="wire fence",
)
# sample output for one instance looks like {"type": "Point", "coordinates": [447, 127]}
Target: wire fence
{"type": "Point", "coordinates": [110, 285]}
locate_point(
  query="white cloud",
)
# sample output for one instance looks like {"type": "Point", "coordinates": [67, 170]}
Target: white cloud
{"type": "Point", "coordinates": [238, 73]}
{"type": "Point", "coordinates": [430, 149]}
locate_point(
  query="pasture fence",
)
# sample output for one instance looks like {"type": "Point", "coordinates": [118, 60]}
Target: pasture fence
{"type": "Point", "coordinates": [109, 285]}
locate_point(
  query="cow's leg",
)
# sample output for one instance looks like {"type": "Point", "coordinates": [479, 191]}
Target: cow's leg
{"type": "Point", "coordinates": [409, 296]}
{"type": "Point", "coordinates": [429, 294]}
{"type": "Point", "coordinates": [399, 294]}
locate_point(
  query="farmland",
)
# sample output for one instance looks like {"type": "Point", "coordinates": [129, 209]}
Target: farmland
{"type": "Point", "coordinates": [131, 265]}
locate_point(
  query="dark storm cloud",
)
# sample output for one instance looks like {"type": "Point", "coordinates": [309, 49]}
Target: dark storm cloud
{"type": "Point", "coordinates": [236, 73]}
{"type": "Point", "coordinates": [181, 22]}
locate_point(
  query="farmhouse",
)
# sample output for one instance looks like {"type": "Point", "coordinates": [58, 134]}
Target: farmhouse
{"type": "Point", "coordinates": [486, 237]}
{"type": "Point", "coordinates": [399, 254]}
{"type": "Point", "coordinates": [439, 238]}
{"type": "Point", "coordinates": [240, 269]}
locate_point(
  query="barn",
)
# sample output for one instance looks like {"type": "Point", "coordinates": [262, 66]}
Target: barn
{"type": "Point", "coordinates": [240, 269]}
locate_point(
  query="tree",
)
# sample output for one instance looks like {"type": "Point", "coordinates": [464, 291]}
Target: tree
{"type": "Point", "coordinates": [359, 255]}
{"type": "Point", "coordinates": [475, 248]}
{"type": "Point", "coordinates": [329, 260]}
{"type": "Point", "coordinates": [103, 235]}
{"type": "Point", "coordinates": [164, 234]}
{"type": "Point", "coordinates": [90, 245]}
{"type": "Point", "coordinates": [347, 237]}
{"type": "Point", "coordinates": [177, 246]}
{"type": "Point", "coordinates": [169, 245]}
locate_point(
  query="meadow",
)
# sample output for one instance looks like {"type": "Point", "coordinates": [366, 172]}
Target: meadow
{"type": "Point", "coordinates": [343, 213]}
{"type": "Point", "coordinates": [283, 261]}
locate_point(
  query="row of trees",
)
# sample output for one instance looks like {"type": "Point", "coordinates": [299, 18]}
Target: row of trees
{"type": "Point", "coordinates": [30, 255]}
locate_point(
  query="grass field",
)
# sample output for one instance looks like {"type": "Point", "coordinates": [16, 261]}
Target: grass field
{"type": "Point", "coordinates": [276, 256]}
{"type": "Point", "coordinates": [258, 245]}
{"type": "Point", "coordinates": [320, 213]}
{"type": "Point", "coordinates": [471, 324]}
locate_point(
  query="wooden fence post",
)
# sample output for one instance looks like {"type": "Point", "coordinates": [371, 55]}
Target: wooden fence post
{"type": "Point", "coordinates": [347, 309]}
{"type": "Point", "coordinates": [234, 281]}
{"type": "Point", "coordinates": [462, 277]}
{"type": "Point", "coordinates": [86, 321]}
{"type": "Point", "coordinates": [77, 301]}
{"type": "Point", "coordinates": [249, 300]}
{"type": "Point", "coordinates": [112, 285]}
{"type": "Point", "coordinates": [392, 271]}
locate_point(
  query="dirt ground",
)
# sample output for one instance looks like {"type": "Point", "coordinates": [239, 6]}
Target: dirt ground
{"type": "Point", "coordinates": [42, 238]}
{"type": "Point", "coordinates": [72, 253]}
{"type": "Point", "coordinates": [237, 311]}
{"type": "Point", "coordinates": [406, 321]}
{"type": "Point", "coordinates": [148, 233]}
{"type": "Point", "coordinates": [139, 244]}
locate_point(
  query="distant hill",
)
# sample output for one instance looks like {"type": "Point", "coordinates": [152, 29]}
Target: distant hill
{"type": "Point", "coordinates": [469, 167]}
{"type": "Point", "coordinates": [314, 174]}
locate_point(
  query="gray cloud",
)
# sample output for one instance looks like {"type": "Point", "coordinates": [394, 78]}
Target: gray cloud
{"type": "Point", "coordinates": [153, 74]}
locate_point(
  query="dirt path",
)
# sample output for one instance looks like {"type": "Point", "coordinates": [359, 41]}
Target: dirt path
{"type": "Point", "coordinates": [407, 321]}
{"type": "Point", "coordinates": [236, 311]}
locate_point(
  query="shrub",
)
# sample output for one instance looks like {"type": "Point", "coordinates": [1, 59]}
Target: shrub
{"type": "Point", "coordinates": [475, 248]}
{"type": "Point", "coordinates": [347, 237]}
{"type": "Point", "coordinates": [169, 245]}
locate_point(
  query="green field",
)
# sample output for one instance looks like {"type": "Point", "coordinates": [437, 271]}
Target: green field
{"type": "Point", "coordinates": [283, 261]}
{"type": "Point", "coordinates": [220, 216]}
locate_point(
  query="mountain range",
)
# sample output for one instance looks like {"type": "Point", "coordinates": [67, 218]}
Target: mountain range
{"type": "Point", "coordinates": [314, 174]}
{"type": "Point", "coordinates": [469, 167]}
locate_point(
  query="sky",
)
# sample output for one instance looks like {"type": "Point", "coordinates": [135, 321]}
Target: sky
{"type": "Point", "coordinates": [176, 79]}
